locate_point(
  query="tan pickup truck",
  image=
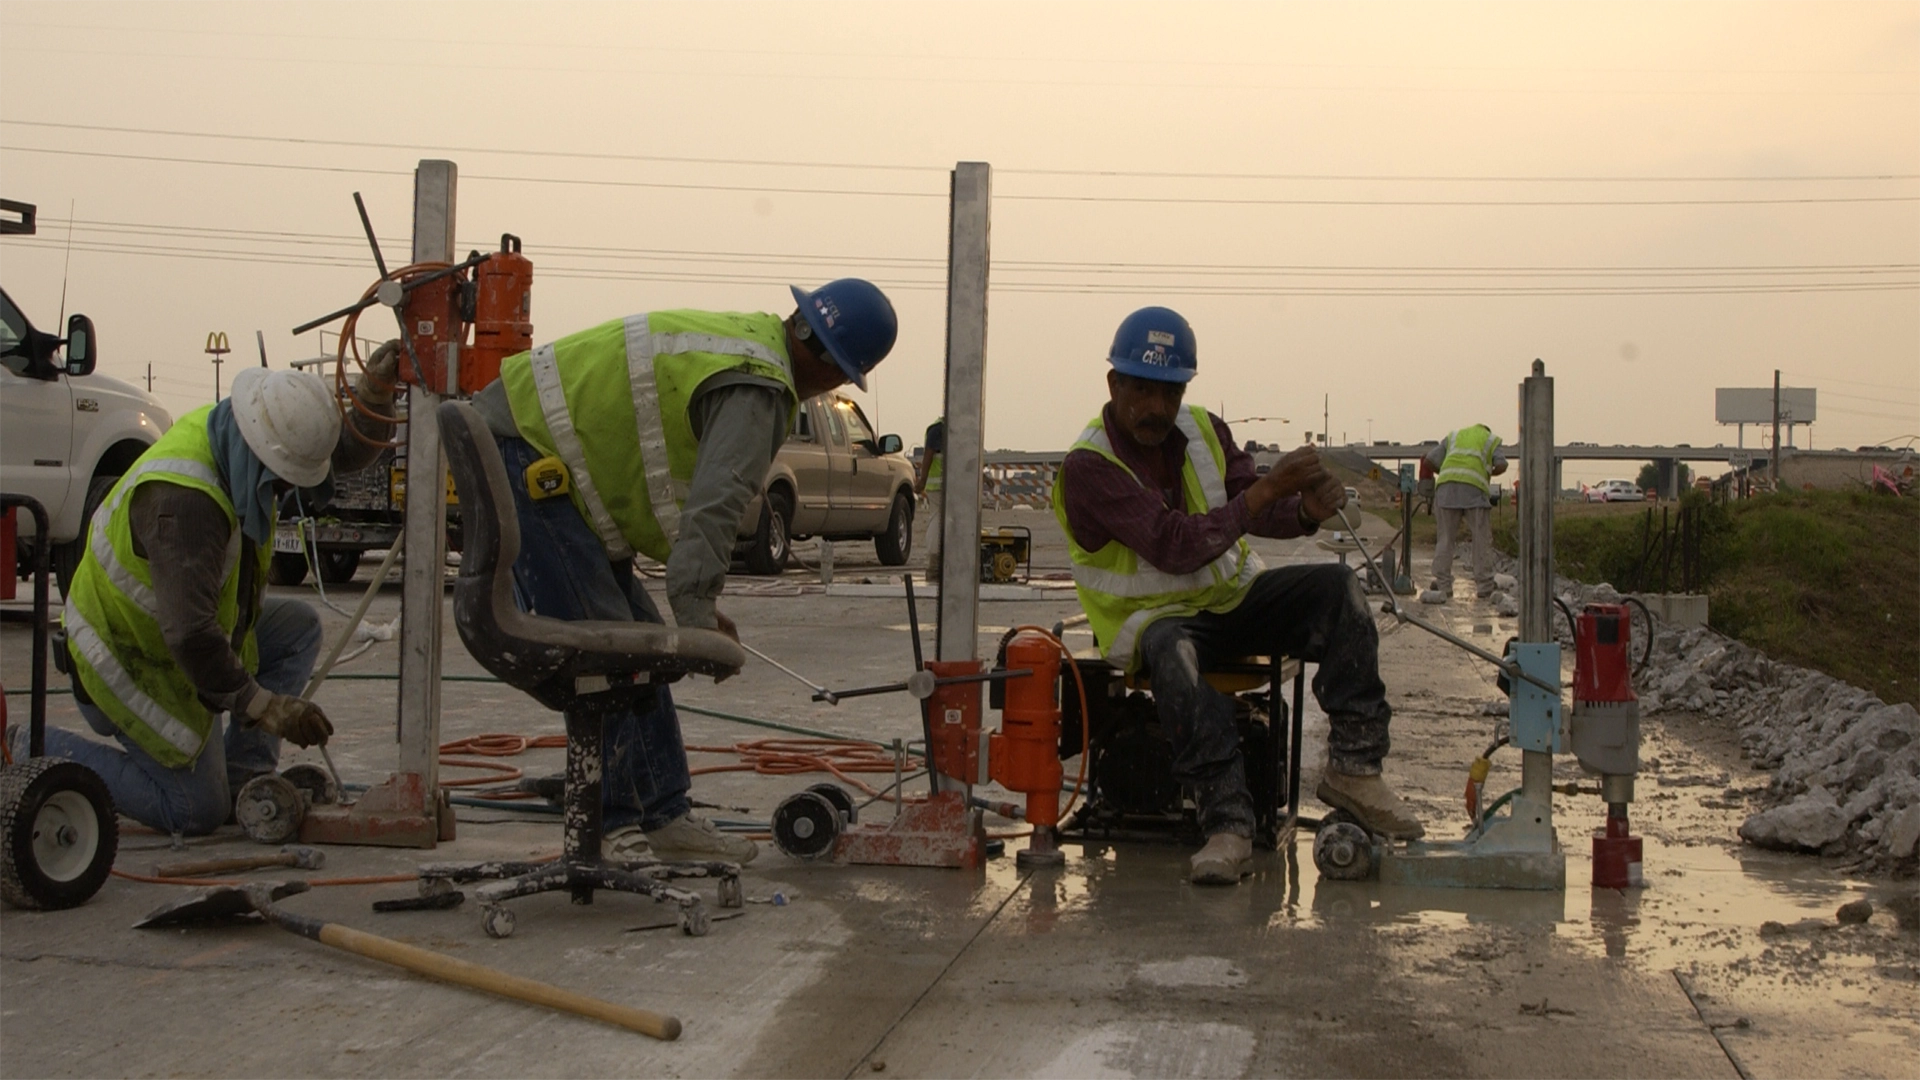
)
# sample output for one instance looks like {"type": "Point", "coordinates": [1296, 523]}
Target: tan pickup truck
{"type": "Point", "coordinates": [833, 478]}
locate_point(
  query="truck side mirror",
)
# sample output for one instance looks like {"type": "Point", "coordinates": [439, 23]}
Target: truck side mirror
{"type": "Point", "coordinates": [890, 444]}
{"type": "Point", "coordinates": [82, 351]}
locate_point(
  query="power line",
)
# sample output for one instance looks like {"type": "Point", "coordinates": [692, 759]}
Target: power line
{"type": "Point", "coordinates": [1110, 199]}
{"type": "Point", "coordinates": [291, 140]}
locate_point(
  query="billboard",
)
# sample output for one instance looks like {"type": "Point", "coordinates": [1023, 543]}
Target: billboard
{"type": "Point", "coordinates": [1742, 405]}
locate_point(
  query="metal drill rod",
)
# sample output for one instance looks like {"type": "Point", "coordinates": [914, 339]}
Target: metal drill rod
{"type": "Point", "coordinates": [820, 693]}
{"type": "Point", "coordinates": [902, 688]}
{"type": "Point", "coordinates": [1512, 669]}
{"type": "Point", "coordinates": [339, 784]}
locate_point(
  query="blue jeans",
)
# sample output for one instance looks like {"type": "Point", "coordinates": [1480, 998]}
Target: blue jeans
{"type": "Point", "coordinates": [196, 799]}
{"type": "Point", "coordinates": [563, 573]}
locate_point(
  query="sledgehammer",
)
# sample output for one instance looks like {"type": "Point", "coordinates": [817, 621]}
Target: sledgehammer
{"type": "Point", "coordinates": [294, 855]}
{"type": "Point", "coordinates": [227, 902]}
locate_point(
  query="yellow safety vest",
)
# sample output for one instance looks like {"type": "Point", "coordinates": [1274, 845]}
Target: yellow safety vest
{"type": "Point", "coordinates": [611, 403]}
{"type": "Point", "coordinates": [937, 467]}
{"type": "Point", "coordinates": [112, 617]}
{"type": "Point", "coordinates": [1469, 457]}
{"type": "Point", "coordinates": [1122, 594]}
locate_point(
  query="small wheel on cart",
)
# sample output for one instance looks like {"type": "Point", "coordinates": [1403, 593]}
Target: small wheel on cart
{"type": "Point", "coordinates": [314, 781]}
{"type": "Point", "coordinates": [1343, 852]}
{"type": "Point", "coordinates": [270, 809]}
{"type": "Point", "coordinates": [841, 801]}
{"type": "Point", "coordinates": [731, 894]}
{"type": "Point", "coordinates": [497, 920]}
{"type": "Point", "coordinates": [694, 920]}
{"type": "Point", "coordinates": [805, 825]}
{"type": "Point", "coordinates": [60, 835]}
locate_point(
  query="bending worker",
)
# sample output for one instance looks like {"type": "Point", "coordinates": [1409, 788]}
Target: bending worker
{"type": "Point", "coordinates": [1465, 461]}
{"type": "Point", "coordinates": [663, 426]}
{"type": "Point", "coordinates": [1156, 502]}
{"type": "Point", "coordinates": [158, 657]}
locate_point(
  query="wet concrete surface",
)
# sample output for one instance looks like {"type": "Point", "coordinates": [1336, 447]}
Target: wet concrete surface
{"type": "Point", "coordinates": [1110, 966]}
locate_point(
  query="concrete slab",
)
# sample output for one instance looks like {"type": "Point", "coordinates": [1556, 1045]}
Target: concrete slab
{"type": "Point", "coordinates": [1112, 966]}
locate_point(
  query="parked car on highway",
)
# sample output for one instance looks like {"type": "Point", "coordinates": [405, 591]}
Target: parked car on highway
{"type": "Point", "coordinates": [1615, 491]}
{"type": "Point", "coordinates": [833, 478]}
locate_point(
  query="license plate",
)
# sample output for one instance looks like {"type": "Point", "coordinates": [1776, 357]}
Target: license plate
{"type": "Point", "coordinates": [290, 542]}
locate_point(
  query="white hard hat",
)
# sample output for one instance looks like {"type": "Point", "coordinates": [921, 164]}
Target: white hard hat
{"type": "Point", "coordinates": [290, 421]}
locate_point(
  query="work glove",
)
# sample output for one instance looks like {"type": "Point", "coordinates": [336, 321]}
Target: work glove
{"type": "Point", "coordinates": [375, 385]}
{"type": "Point", "coordinates": [296, 720]}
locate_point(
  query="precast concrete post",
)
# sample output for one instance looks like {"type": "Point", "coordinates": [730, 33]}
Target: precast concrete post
{"type": "Point", "coordinates": [1536, 548]}
{"type": "Point", "coordinates": [957, 636]}
{"type": "Point", "coordinates": [434, 187]}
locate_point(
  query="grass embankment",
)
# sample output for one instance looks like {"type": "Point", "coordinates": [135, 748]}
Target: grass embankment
{"type": "Point", "coordinates": [1828, 580]}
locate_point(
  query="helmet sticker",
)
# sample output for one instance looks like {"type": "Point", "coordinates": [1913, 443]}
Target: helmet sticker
{"type": "Point", "coordinates": [1159, 337]}
{"type": "Point", "coordinates": [828, 310]}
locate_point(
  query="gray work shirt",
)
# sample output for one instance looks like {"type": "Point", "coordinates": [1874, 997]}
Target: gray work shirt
{"type": "Point", "coordinates": [740, 421]}
{"type": "Point", "coordinates": [183, 530]}
{"type": "Point", "coordinates": [1460, 496]}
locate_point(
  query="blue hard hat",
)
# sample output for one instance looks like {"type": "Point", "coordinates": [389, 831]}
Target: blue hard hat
{"type": "Point", "coordinates": [855, 321]}
{"type": "Point", "coordinates": [1155, 343]}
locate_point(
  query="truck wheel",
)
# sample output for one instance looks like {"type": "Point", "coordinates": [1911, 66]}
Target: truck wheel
{"type": "Point", "coordinates": [773, 541]}
{"type": "Point", "coordinates": [896, 544]}
{"type": "Point", "coordinates": [66, 557]}
{"type": "Point", "coordinates": [338, 567]}
{"type": "Point", "coordinates": [287, 568]}
{"type": "Point", "coordinates": [60, 834]}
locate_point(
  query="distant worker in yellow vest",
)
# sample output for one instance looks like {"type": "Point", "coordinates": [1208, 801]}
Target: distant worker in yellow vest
{"type": "Point", "coordinates": [177, 652]}
{"type": "Point", "coordinates": [648, 436]}
{"type": "Point", "coordinates": [931, 480]}
{"type": "Point", "coordinates": [1466, 460]}
{"type": "Point", "coordinates": [1157, 502]}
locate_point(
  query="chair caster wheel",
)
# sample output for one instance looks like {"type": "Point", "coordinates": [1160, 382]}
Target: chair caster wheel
{"type": "Point", "coordinates": [497, 921]}
{"type": "Point", "coordinates": [732, 895]}
{"type": "Point", "coordinates": [694, 920]}
{"type": "Point", "coordinates": [1343, 852]}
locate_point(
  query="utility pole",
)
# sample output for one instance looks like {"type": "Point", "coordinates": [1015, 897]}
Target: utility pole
{"type": "Point", "coordinates": [1326, 425]}
{"type": "Point", "coordinates": [1773, 459]}
{"type": "Point", "coordinates": [217, 348]}
{"type": "Point", "coordinates": [149, 378]}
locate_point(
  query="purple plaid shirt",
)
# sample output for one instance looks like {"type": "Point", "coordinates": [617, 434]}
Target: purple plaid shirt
{"type": "Point", "coordinates": [1150, 517]}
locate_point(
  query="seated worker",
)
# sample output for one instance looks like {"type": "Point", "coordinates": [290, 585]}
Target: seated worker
{"type": "Point", "coordinates": [158, 657]}
{"type": "Point", "coordinates": [1156, 502]}
{"type": "Point", "coordinates": [665, 425]}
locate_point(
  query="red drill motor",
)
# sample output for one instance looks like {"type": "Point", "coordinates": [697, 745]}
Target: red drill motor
{"type": "Point", "coordinates": [1605, 729]}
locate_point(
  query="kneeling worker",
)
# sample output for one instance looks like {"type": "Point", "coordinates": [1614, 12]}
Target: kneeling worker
{"type": "Point", "coordinates": [651, 434]}
{"type": "Point", "coordinates": [1156, 501]}
{"type": "Point", "coordinates": [168, 623]}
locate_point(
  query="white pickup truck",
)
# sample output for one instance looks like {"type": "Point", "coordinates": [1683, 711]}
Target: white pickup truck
{"type": "Point", "coordinates": [66, 434]}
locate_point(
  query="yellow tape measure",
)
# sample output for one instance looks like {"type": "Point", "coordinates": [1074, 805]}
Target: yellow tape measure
{"type": "Point", "coordinates": [547, 478]}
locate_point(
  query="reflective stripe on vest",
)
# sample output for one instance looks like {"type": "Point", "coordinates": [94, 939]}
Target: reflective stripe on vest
{"type": "Point", "coordinates": [1469, 457]}
{"type": "Point", "coordinates": [112, 611]}
{"type": "Point", "coordinates": [631, 475]}
{"type": "Point", "coordinates": [1121, 593]}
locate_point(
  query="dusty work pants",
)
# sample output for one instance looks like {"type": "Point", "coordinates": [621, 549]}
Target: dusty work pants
{"type": "Point", "coordinates": [563, 573]}
{"type": "Point", "coordinates": [1314, 613]}
{"type": "Point", "coordinates": [197, 798]}
{"type": "Point", "coordinates": [936, 527]}
{"type": "Point", "coordinates": [1480, 525]}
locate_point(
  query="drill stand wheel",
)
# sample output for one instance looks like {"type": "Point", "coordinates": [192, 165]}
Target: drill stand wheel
{"type": "Point", "coordinates": [270, 808]}
{"type": "Point", "coordinates": [60, 834]}
{"type": "Point", "coordinates": [806, 823]}
{"type": "Point", "coordinates": [1343, 850]}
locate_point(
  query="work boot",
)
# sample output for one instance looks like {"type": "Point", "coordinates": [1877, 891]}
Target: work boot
{"type": "Point", "coordinates": [1373, 802]}
{"type": "Point", "coordinates": [628, 843]}
{"type": "Point", "coordinates": [1224, 861]}
{"type": "Point", "coordinates": [690, 838]}
{"type": "Point", "coordinates": [1435, 596]}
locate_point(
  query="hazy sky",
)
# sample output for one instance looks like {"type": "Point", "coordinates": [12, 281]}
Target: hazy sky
{"type": "Point", "coordinates": [1397, 205]}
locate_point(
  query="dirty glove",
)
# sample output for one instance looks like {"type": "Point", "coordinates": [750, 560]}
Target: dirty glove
{"type": "Point", "coordinates": [376, 383]}
{"type": "Point", "coordinates": [296, 720]}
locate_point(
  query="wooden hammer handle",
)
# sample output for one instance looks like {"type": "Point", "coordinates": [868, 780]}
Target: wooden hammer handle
{"type": "Point", "coordinates": [195, 868]}
{"type": "Point", "coordinates": [494, 981]}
